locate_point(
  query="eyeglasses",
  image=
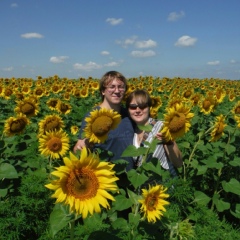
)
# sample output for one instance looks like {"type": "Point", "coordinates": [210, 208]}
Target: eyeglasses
{"type": "Point", "coordinates": [113, 88]}
{"type": "Point", "coordinates": [135, 106]}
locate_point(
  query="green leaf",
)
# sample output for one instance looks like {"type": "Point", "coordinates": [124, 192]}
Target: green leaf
{"type": "Point", "coordinates": [233, 186]}
{"type": "Point", "coordinates": [132, 151]}
{"type": "Point", "coordinates": [133, 196]}
{"type": "Point", "coordinates": [184, 145]}
{"type": "Point", "coordinates": [8, 171]}
{"type": "Point", "coordinates": [120, 223]}
{"type": "Point", "coordinates": [136, 178]}
{"type": "Point", "coordinates": [237, 211]}
{"type": "Point", "coordinates": [3, 192]}
{"type": "Point", "coordinates": [201, 198]}
{"type": "Point", "coordinates": [201, 170]}
{"type": "Point", "coordinates": [235, 162]}
{"type": "Point", "coordinates": [134, 219]}
{"type": "Point", "coordinates": [121, 203]}
{"type": "Point", "coordinates": [59, 218]}
{"type": "Point", "coordinates": [220, 204]}
{"type": "Point", "coordinates": [147, 128]}
{"type": "Point", "coordinates": [230, 149]}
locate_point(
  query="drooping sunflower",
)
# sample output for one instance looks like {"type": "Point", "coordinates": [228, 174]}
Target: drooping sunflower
{"type": "Point", "coordinates": [218, 129]}
{"type": "Point", "coordinates": [99, 123]}
{"type": "Point", "coordinates": [27, 106]}
{"type": "Point", "coordinates": [74, 129]}
{"type": "Point", "coordinates": [176, 122]}
{"type": "Point", "coordinates": [83, 183]}
{"type": "Point", "coordinates": [49, 123]}
{"type": "Point", "coordinates": [54, 143]}
{"type": "Point", "coordinates": [15, 125]}
{"type": "Point", "coordinates": [153, 202]}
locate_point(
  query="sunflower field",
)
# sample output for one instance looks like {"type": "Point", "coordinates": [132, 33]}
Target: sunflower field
{"type": "Point", "coordinates": [48, 192]}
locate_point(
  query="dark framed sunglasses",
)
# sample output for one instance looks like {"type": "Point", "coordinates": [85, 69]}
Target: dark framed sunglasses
{"type": "Point", "coordinates": [135, 106]}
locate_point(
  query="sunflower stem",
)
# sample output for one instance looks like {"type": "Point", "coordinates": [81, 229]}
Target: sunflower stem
{"type": "Point", "coordinates": [72, 227]}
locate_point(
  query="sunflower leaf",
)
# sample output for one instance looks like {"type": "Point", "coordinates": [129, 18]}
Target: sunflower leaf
{"type": "Point", "coordinates": [201, 198]}
{"type": "Point", "coordinates": [132, 151]}
{"type": "Point", "coordinates": [8, 171]}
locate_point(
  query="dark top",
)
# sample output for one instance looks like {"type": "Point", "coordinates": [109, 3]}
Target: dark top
{"type": "Point", "coordinates": [118, 139]}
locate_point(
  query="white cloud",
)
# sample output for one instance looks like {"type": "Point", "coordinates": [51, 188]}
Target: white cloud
{"type": "Point", "coordinates": [14, 5]}
{"type": "Point", "coordinates": [8, 69]}
{"type": "Point", "coordinates": [105, 53]}
{"type": "Point", "coordinates": [58, 59]}
{"type": "Point", "coordinates": [114, 21]}
{"type": "Point", "coordinates": [145, 44]}
{"type": "Point", "coordinates": [174, 16]}
{"type": "Point", "coordinates": [233, 61]}
{"type": "Point", "coordinates": [111, 64]}
{"type": "Point", "coordinates": [129, 41]}
{"type": "Point", "coordinates": [214, 63]}
{"type": "Point", "coordinates": [32, 35]}
{"type": "Point", "coordinates": [185, 41]}
{"type": "Point", "coordinates": [142, 54]}
{"type": "Point", "coordinates": [87, 67]}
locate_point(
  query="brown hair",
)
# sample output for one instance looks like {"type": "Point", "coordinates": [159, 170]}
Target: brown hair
{"type": "Point", "coordinates": [141, 96]}
{"type": "Point", "coordinates": [109, 77]}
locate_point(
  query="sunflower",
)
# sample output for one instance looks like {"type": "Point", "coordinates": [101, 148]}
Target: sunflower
{"type": "Point", "coordinates": [83, 183]}
{"type": "Point", "coordinates": [207, 104]}
{"type": "Point", "coordinates": [84, 92]}
{"type": "Point", "coordinates": [27, 106]}
{"type": "Point", "coordinates": [156, 102]}
{"type": "Point", "coordinates": [63, 108]}
{"type": "Point", "coordinates": [236, 109]}
{"type": "Point", "coordinates": [99, 123]}
{"type": "Point", "coordinates": [218, 129]}
{"type": "Point", "coordinates": [52, 103]}
{"type": "Point", "coordinates": [8, 93]}
{"type": "Point", "coordinates": [74, 129]}
{"type": "Point", "coordinates": [153, 202]}
{"type": "Point", "coordinates": [15, 125]}
{"type": "Point", "coordinates": [49, 123]}
{"type": "Point", "coordinates": [54, 143]}
{"type": "Point", "coordinates": [176, 122]}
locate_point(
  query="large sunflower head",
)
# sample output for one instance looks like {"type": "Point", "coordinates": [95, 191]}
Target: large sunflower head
{"type": "Point", "coordinates": [218, 129]}
{"type": "Point", "coordinates": [49, 123]}
{"type": "Point", "coordinates": [153, 202]}
{"type": "Point", "coordinates": [99, 123]}
{"type": "Point", "coordinates": [15, 125]}
{"type": "Point", "coordinates": [176, 122]}
{"type": "Point", "coordinates": [83, 183]}
{"type": "Point", "coordinates": [54, 144]}
{"type": "Point", "coordinates": [28, 106]}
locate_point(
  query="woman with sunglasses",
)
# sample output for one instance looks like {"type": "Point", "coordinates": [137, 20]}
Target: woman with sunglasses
{"type": "Point", "coordinates": [138, 104]}
{"type": "Point", "coordinates": [112, 87]}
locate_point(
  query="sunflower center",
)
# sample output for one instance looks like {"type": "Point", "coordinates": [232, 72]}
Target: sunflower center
{"type": "Point", "coordinates": [220, 128]}
{"type": "Point", "coordinates": [177, 122]}
{"type": "Point", "coordinates": [206, 104]}
{"type": "Point", "coordinates": [39, 92]}
{"type": "Point", "coordinates": [237, 110]}
{"type": "Point", "coordinates": [102, 125]}
{"type": "Point", "coordinates": [64, 108]}
{"type": "Point", "coordinates": [51, 125]}
{"type": "Point", "coordinates": [54, 144]}
{"type": "Point", "coordinates": [17, 125]}
{"type": "Point", "coordinates": [187, 94]}
{"type": "Point", "coordinates": [151, 202]}
{"type": "Point", "coordinates": [28, 108]}
{"type": "Point", "coordinates": [82, 184]}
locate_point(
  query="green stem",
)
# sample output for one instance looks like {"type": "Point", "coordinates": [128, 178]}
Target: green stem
{"type": "Point", "coordinates": [72, 226]}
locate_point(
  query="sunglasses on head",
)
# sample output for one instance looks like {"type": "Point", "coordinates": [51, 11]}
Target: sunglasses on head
{"type": "Point", "coordinates": [135, 106]}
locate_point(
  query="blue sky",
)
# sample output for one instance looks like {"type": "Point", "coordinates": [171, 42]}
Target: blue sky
{"type": "Point", "coordinates": [82, 38]}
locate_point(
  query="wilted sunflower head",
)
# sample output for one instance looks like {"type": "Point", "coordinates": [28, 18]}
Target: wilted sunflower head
{"type": "Point", "coordinates": [54, 144]}
{"type": "Point", "coordinates": [15, 125]}
{"type": "Point", "coordinates": [153, 202]}
{"type": "Point", "coordinates": [83, 183]}
{"type": "Point", "coordinates": [50, 123]}
{"type": "Point", "coordinates": [99, 123]}
{"type": "Point", "coordinates": [28, 106]}
{"type": "Point", "coordinates": [176, 122]}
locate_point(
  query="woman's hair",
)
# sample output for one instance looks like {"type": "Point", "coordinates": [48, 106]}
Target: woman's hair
{"type": "Point", "coordinates": [141, 96]}
{"type": "Point", "coordinates": [109, 77]}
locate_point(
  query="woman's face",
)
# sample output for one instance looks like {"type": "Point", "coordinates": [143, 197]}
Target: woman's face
{"type": "Point", "coordinates": [139, 113]}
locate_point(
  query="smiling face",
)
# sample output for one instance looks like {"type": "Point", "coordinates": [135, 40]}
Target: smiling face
{"type": "Point", "coordinates": [138, 112]}
{"type": "Point", "coordinates": [114, 91]}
